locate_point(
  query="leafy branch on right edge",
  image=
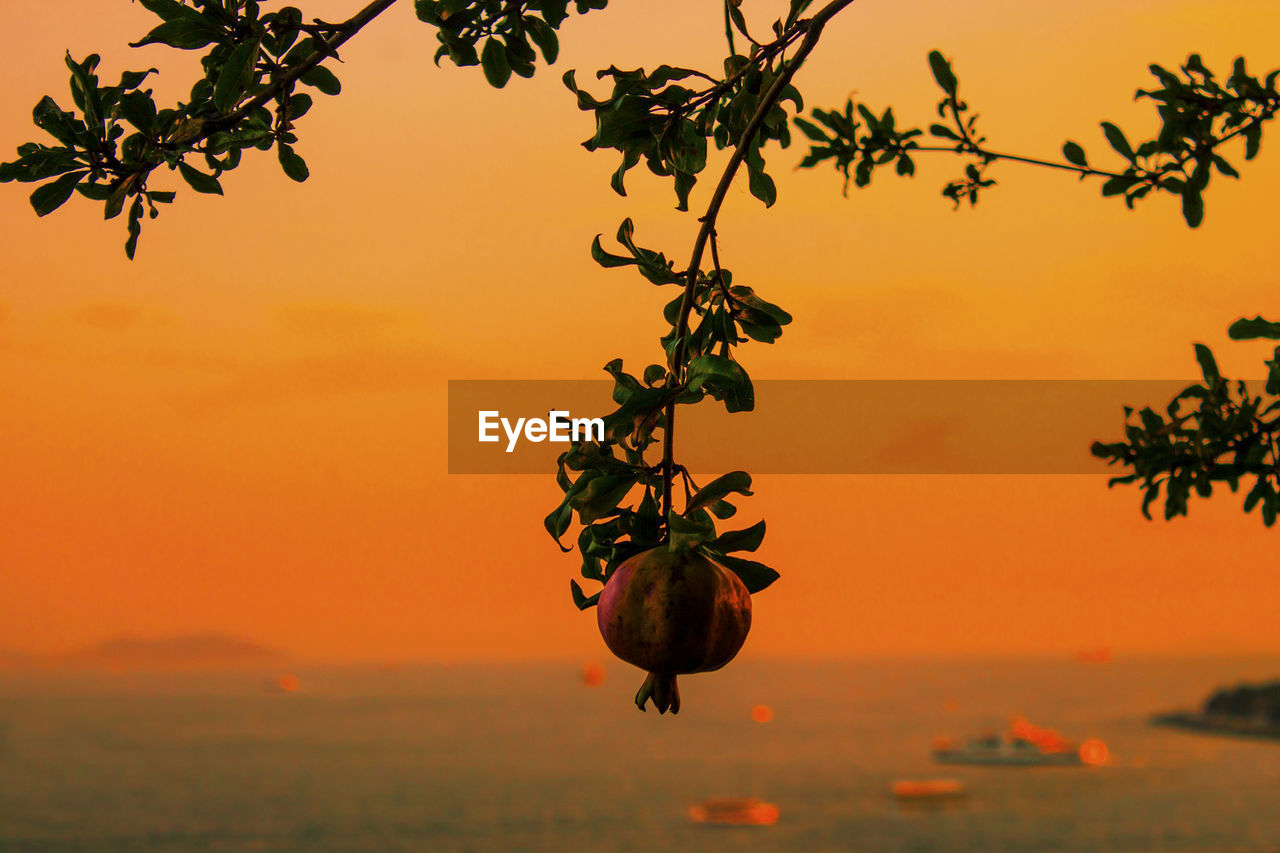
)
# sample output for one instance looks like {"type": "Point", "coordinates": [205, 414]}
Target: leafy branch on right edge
{"type": "Point", "coordinates": [1212, 432]}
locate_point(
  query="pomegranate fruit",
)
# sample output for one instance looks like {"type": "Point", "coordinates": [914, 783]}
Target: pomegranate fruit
{"type": "Point", "coordinates": [672, 614]}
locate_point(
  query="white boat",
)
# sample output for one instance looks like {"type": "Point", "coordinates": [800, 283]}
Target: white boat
{"type": "Point", "coordinates": [1024, 745]}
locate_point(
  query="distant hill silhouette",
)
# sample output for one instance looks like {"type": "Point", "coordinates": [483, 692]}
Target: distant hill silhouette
{"type": "Point", "coordinates": [181, 652]}
{"type": "Point", "coordinates": [1251, 710]}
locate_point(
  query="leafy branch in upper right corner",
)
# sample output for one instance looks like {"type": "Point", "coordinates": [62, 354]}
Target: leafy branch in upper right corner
{"type": "Point", "coordinates": [1198, 115]}
{"type": "Point", "coordinates": [1212, 432]}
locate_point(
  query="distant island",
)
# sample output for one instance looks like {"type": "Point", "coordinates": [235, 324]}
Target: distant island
{"type": "Point", "coordinates": [1246, 710]}
{"type": "Point", "coordinates": [192, 651]}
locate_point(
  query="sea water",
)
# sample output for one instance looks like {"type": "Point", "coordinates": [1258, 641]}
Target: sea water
{"type": "Point", "coordinates": [527, 757]}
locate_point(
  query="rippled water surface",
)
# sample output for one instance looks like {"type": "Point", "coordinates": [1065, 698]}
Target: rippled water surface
{"type": "Point", "coordinates": [524, 757]}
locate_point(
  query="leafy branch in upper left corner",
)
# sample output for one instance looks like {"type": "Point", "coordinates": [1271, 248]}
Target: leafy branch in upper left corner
{"type": "Point", "coordinates": [250, 95]}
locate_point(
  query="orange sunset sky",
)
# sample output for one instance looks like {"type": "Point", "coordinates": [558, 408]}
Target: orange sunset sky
{"type": "Point", "coordinates": [244, 429]}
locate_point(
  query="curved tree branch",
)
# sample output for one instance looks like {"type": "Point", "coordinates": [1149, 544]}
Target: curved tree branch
{"type": "Point", "coordinates": [814, 27]}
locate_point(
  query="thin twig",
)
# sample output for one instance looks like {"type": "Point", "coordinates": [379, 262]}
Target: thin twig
{"type": "Point", "coordinates": [728, 29]}
{"type": "Point", "coordinates": [992, 156]}
{"type": "Point", "coordinates": [729, 301]}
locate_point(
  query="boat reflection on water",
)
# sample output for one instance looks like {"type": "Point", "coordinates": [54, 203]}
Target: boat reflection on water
{"type": "Point", "coordinates": [929, 795]}
{"type": "Point", "coordinates": [928, 789]}
{"type": "Point", "coordinates": [1023, 745]}
{"type": "Point", "coordinates": [734, 811]}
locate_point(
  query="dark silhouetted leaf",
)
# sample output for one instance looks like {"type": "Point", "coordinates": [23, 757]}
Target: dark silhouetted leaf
{"type": "Point", "coordinates": [51, 196]}
{"type": "Point", "coordinates": [493, 58]}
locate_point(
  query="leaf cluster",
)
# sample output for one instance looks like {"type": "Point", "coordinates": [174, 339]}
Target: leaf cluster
{"type": "Point", "coordinates": [617, 495]}
{"type": "Point", "coordinates": [1213, 431]}
{"type": "Point", "coordinates": [258, 67]}
{"type": "Point", "coordinates": [612, 532]}
{"type": "Point", "coordinates": [858, 141]}
{"type": "Point", "coordinates": [1197, 116]}
{"type": "Point", "coordinates": [668, 116]}
{"type": "Point", "coordinates": [117, 136]}
{"type": "Point", "coordinates": [498, 35]}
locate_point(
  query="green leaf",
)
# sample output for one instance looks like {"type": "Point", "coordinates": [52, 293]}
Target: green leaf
{"type": "Point", "coordinates": [629, 159]}
{"type": "Point", "coordinates": [61, 125]}
{"type": "Point", "coordinates": [1208, 366]}
{"type": "Point", "coordinates": [684, 182]}
{"type": "Point", "coordinates": [1192, 206]}
{"type": "Point", "coordinates": [323, 79]}
{"type": "Point", "coordinates": [199, 181]}
{"type": "Point", "coordinates": [139, 110]}
{"type": "Point", "coordinates": [135, 227]}
{"type": "Point", "coordinates": [544, 37]}
{"type": "Point", "coordinates": [723, 509]}
{"type": "Point", "coordinates": [182, 34]}
{"type": "Point", "coordinates": [1118, 185]}
{"type": "Point", "coordinates": [133, 79]}
{"type": "Point", "coordinates": [942, 72]}
{"type": "Point", "coordinates": [811, 130]}
{"type": "Point", "coordinates": [555, 11]}
{"type": "Point", "coordinates": [748, 539]}
{"type": "Point", "coordinates": [762, 186]}
{"type": "Point", "coordinates": [735, 482]}
{"type": "Point", "coordinates": [493, 58]}
{"type": "Point", "coordinates": [299, 103]}
{"type": "Point", "coordinates": [1116, 137]}
{"type": "Point", "coordinates": [51, 196]}
{"type": "Point", "coordinates": [735, 15]}
{"type": "Point", "coordinates": [84, 88]}
{"type": "Point", "coordinates": [582, 599]}
{"type": "Point", "coordinates": [943, 132]}
{"type": "Point", "coordinates": [724, 379]}
{"type": "Point", "coordinates": [1224, 167]}
{"type": "Point", "coordinates": [94, 192]}
{"type": "Point", "coordinates": [186, 129]}
{"type": "Point", "coordinates": [755, 576]}
{"type": "Point", "coordinates": [1252, 140]}
{"type": "Point", "coordinates": [1245, 329]}
{"type": "Point", "coordinates": [235, 75]}
{"type": "Point", "coordinates": [604, 259]}
{"type": "Point", "coordinates": [689, 531]}
{"type": "Point", "coordinates": [294, 166]}
{"type": "Point", "coordinates": [174, 10]}
{"type": "Point", "coordinates": [115, 200]}
{"type": "Point", "coordinates": [1075, 154]}
{"type": "Point", "coordinates": [557, 523]}
{"type": "Point", "coordinates": [601, 497]}
{"type": "Point", "coordinates": [653, 374]}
